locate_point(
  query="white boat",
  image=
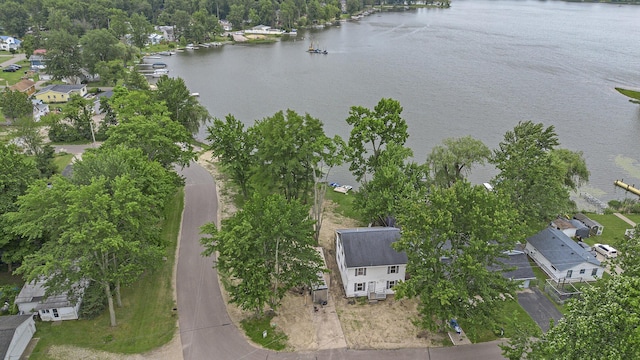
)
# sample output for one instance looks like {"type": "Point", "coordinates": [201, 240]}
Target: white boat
{"type": "Point", "coordinates": [159, 72]}
{"type": "Point", "coordinates": [195, 94]}
{"type": "Point", "coordinates": [343, 188]}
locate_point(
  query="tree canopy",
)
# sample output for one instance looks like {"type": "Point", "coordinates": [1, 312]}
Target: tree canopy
{"type": "Point", "coordinates": [264, 249]}
{"type": "Point", "coordinates": [454, 241]}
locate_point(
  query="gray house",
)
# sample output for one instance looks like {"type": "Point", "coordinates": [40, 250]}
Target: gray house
{"type": "Point", "coordinates": [368, 265]}
{"type": "Point", "coordinates": [561, 257]}
{"type": "Point", "coordinates": [32, 299]}
{"type": "Point", "coordinates": [15, 333]}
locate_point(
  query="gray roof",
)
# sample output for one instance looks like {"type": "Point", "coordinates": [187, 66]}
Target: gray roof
{"type": "Point", "coordinates": [520, 261]}
{"type": "Point", "coordinates": [561, 251]}
{"type": "Point", "coordinates": [35, 292]}
{"type": "Point", "coordinates": [586, 220]}
{"type": "Point", "coordinates": [8, 326]}
{"type": "Point", "coordinates": [371, 246]}
{"type": "Point", "coordinates": [62, 88]}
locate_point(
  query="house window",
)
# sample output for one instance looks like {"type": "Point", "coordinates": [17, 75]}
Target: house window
{"type": "Point", "coordinates": [569, 273]}
{"type": "Point", "coordinates": [393, 269]}
{"type": "Point", "coordinates": [594, 272]}
{"type": "Point", "coordinates": [391, 283]}
{"type": "Point", "coordinates": [582, 271]}
{"type": "Point", "coordinates": [361, 271]}
{"type": "Point", "coordinates": [358, 287]}
{"type": "Point", "coordinates": [55, 313]}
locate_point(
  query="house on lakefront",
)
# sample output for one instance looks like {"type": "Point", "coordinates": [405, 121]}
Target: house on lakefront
{"type": "Point", "coordinates": [368, 265]}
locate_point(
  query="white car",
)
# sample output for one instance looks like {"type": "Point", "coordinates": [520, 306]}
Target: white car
{"type": "Point", "coordinates": [606, 250]}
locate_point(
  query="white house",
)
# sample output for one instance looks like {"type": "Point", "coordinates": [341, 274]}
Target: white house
{"type": "Point", "coordinates": [15, 333]}
{"type": "Point", "coordinates": [368, 265]}
{"type": "Point", "coordinates": [32, 300]}
{"type": "Point", "coordinates": [155, 39]}
{"type": "Point", "coordinates": [561, 257]}
{"type": "Point", "coordinates": [7, 43]}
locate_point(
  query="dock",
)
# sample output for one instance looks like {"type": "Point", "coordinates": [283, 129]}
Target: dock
{"type": "Point", "coordinates": [629, 188]}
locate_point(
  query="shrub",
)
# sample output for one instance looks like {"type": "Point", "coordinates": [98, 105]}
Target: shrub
{"type": "Point", "coordinates": [94, 301]}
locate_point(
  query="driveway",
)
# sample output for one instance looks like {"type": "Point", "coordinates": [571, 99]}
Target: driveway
{"type": "Point", "coordinates": [206, 331]}
{"type": "Point", "coordinates": [539, 307]}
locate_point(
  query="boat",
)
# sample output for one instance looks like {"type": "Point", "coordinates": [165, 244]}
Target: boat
{"type": "Point", "coordinates": [158, 65]}
{"type": "Point", "coordinates": [195, 94]}
{"type": "Point", "coordinates": [166, 53]}
{"type": "Point", "coordinates": [152, 57]}
{"type": "Point", "coordinates": [344, 189]}
{"type": "Point", "coordinates": [313, 50]}
{"type": "Point", "coordinates": [160, 72]}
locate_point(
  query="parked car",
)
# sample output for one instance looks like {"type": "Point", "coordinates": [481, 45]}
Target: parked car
{"type": "Point", "coordinates": [16, 66]}
{"type": "Point", "coordinates": [606, 250]}
{"type": "Point", "coordinates": [9, 69]}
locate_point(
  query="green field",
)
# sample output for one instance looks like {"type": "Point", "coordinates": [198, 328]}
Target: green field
{"type": "Point", "coordinates": [614, 228]}
{"type": "Point", "coordinates": [62, 160]}
{"type": "Point", "coordinates": [147, 319]}
{"type": "Point", "coordinates": [510, 316]}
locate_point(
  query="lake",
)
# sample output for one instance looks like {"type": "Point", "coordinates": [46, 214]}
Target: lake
{"type": "Point", "coordinates": [475, 69]}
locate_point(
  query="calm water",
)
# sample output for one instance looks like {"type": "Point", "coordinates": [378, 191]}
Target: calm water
{"type": "Point", "coordinates": [474, 69]}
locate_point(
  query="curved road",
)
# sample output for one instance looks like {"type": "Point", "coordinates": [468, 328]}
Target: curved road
{"type": "Point", "coordinates": [206, 331]}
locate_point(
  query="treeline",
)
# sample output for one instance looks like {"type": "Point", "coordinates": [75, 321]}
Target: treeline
{"type": "Point", "coordinates": [101, 223]}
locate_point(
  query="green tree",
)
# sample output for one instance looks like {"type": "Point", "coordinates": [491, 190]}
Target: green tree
{"type": "Point", "coordinates": [110, 72]}
{"type": "Point", "coordinates": [452, 161]}
{"type": "Point", "coordinates": [160, 139]}
{"type": "Point", "coordinates": [97, 235]}
{"type": "Point", "coordinates": [236, 15]}
{"type": "Point", "coordinates": [395, 180]}
{"type": "Point", "coordinates": [14, 18]}
{"type": "Point", "coordinates": [604, 323]}
{"type": "Point", "coordinates": [140, 30]}
{"type": "Point", "coordinates": [17, 172]}
{"type": "Point", "coordinates": [29, 44]}
{"type": "Point", "coordinates": [574, 167]}
{"type": "Point", "coordinates": [64, 58]}
{"type": "Point", "coordinates": [183, 108]}
{"type": "Point", "coordinates": [99, 45]}
{"type": "Point", "coordinates": [529, 175]}
{"type": "Point", "coordinates": [288, 149]}
{"type": "Point", "coordinates": [78, 111]}
{"type": "Point", "coordinates": [264, 250]}
{"type": "Point", "coordinates": [233, 146]}
{"type": "Point", "coordinates": [372, 131]}
{"type": "Point", "coordinates": [15, 104]}
{"type": "Point", "coordinates": [454, 241]}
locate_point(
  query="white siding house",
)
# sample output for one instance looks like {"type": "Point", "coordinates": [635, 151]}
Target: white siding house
{"type": "Point", "coordinates": [368, 265]}
{"type": "Point", "coordinates": [561, 257]}
{"type": "Point", "coordinates": [15, 333]}
{"type": "Point", "coordinates": [32, 300]}
{"type": "Point", "coordinates": [9, 43]}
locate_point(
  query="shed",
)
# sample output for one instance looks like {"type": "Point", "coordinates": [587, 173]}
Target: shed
{"type": "Point", "coordinates": [32, 299]}
{"type": "Point", "coordinates": [320, 290]}
{"type": "Point", "coordinates": [594, 227]}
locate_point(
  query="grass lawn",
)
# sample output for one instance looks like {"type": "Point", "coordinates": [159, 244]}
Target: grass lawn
{"type": "Point", "coordinates": [14, 77]}
{"type": "Point", "coordinates": [613, 233]}
{"type": "Point", "coordinates": [62, 160]}
{"type": "Point", "coordinates": [344, 202]}
{"type": "Point", "coordinates": [633, 217]}
{"type": "Point", "coordinates": [146, 320]}
{"type": "Point", "coordinates": [255, 327]}
{"type": "Point", "coordinates": [510, 315]}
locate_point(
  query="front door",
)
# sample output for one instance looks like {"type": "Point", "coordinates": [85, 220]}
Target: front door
{"type": "Point", "coordinates": [372, 286]}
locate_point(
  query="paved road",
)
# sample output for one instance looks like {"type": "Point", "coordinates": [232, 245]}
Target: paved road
{"type": "Point", "coordinates": [206, 330]}
{"type": "Point", "coordinates": [539, 307]}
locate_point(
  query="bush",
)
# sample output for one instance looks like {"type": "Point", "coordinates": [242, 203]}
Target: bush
{"type": "Point", "coordinates": [63, 133]}
{"type": "Point", "coordinates": [94, 301]}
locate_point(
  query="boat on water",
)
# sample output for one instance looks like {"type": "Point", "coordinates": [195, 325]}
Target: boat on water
{"type": "Point", "coordinates": [158, 65]}
{"type": "Point", "coordinates": [315, 50]}
{"type": "Point", "coordinates": [159, 72]}
{"type": "Point", "coordinates": [166, 53]}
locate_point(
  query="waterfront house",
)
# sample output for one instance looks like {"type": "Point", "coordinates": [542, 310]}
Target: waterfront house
{"type": "Point", "coordinates": [60, 93]}
{"type": "Point", "coordinates": [562, 258]}
{"type": "Point", "coordinates": [368, 265]}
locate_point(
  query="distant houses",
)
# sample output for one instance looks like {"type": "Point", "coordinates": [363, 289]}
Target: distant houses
{"type": "Point", "coordinates": [8, 43]}
{"type": "Point", "coordinates": [60, 93]}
